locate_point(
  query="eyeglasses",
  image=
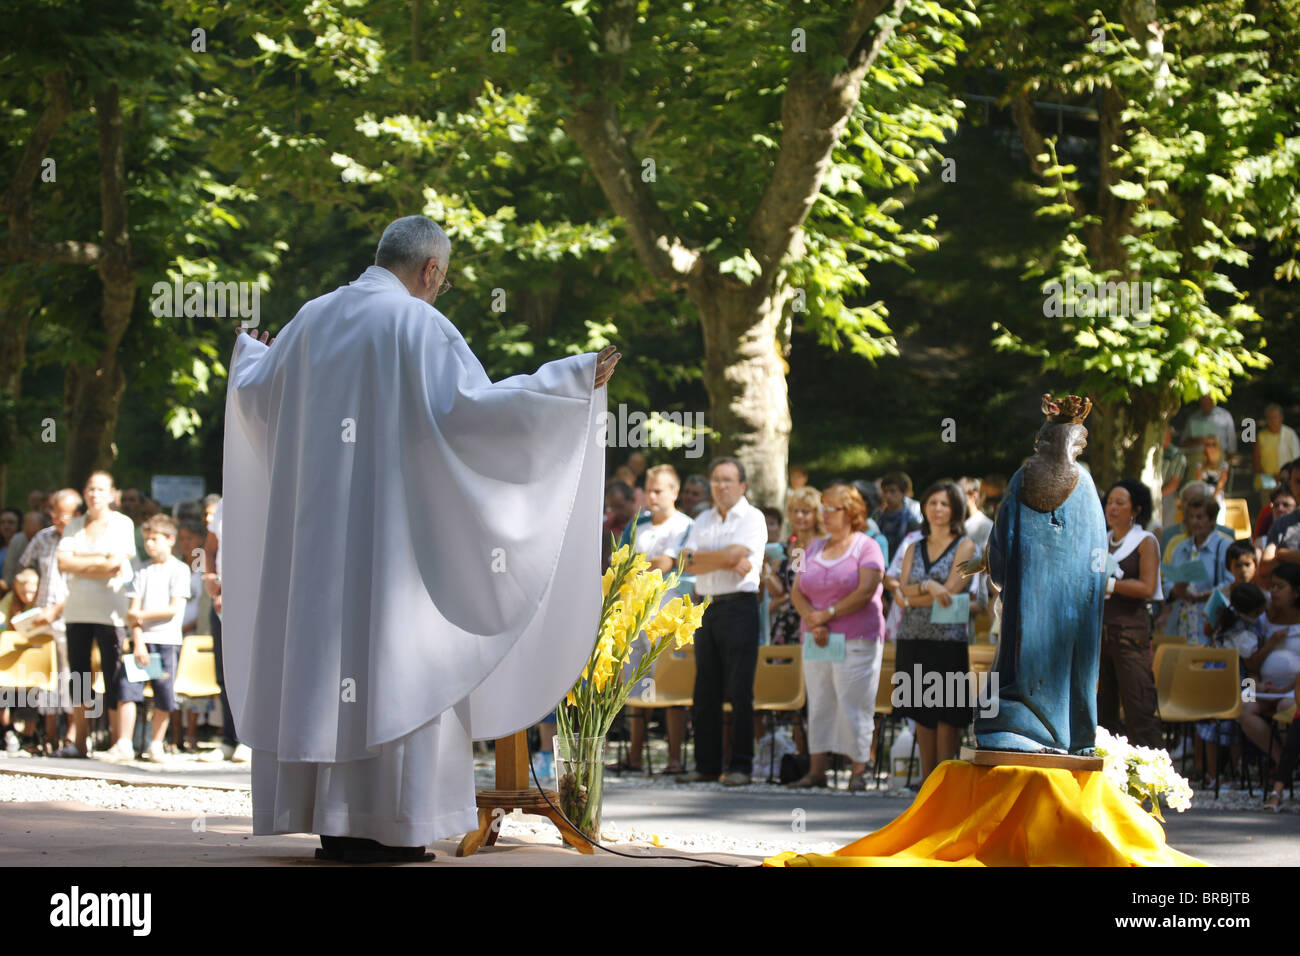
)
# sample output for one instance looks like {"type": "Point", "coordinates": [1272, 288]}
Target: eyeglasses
{"type": "Point", "coordinates": [831, 509]}
{"type": "Point", "coordinates": [445, 284]}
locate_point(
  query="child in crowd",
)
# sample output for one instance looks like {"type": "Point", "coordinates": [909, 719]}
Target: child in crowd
{"type": "Point", "coordinates": [1239, 627]}
{"type": "Point", "coordinates": [1240, 562]}
{"type": "Point", "coordinates": [11, 605]}
{"type": "Point", "coordinates": [190, 535]}
{"type": "Point", "coordinates": [158, 593]}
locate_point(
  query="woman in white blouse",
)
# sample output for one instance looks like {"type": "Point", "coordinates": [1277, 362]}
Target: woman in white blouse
{"type": "Point", "coordinates": [95, 553]}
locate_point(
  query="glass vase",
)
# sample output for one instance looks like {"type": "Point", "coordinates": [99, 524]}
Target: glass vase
{"type": "Point", "coordinates": [580, 781]}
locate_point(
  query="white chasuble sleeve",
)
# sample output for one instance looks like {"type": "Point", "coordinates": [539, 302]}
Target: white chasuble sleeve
{"type": "Point", "coordinates": [401, 533]}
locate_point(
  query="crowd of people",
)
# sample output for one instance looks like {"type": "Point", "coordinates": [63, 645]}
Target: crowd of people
{"type": "Point", "coordinates": [823, 573]}
{"type": "Point", "coordinates": [841, 571]}
{"type": "Point", "coordinates": [106, 570]}
{"type": "Point", "coordinates": [861, 562]}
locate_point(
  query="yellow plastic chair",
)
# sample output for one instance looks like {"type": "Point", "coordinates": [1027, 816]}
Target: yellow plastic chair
{"type": "Point", "coordinates": [1187, 690]}
{"type": "Point", "coordinates": [96, 668]}
{"type": "Point", "coordinates": [778, 678]}
{"type": "Point", "coordinates": [884, 707]}
{"type": "Point", "coordinates": [673, 686]}
{"type": "Point", "coordinates": [982, 657]}
{"type": "Point", "coordinates": [1236, 515]}
{"type": "Point", "coordinates": [196, 671]}
{"type": "Point", "coordinates": [778, 683]}
{"type": "Point", "coordinates": [674, 681]}
{"type": "Point", "coordinates": [885, 690]}
{"type": "Point", "coordinates": [1286, 712]}
{"type": "Point", "coordinates": [28, 662]}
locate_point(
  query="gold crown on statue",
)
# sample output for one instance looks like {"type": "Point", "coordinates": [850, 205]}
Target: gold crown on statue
{"type": "Point", "coordinates": [1068, 410]}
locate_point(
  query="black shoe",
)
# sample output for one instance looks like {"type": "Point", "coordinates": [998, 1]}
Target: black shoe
{"type": "Point", "coordinates": [361, 850]}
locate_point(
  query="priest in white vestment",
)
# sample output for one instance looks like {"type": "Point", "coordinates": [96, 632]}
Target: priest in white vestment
{"type": "Point", "coordinates": [411, 552]}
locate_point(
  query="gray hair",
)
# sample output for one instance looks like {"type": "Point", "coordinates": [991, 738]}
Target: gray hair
{"type": "Point", "coordinates": [1195, 489]}
{"type": "Point", "coordinates": [57, 498]}
{"type": "Point", "coordinates": [411, 241]}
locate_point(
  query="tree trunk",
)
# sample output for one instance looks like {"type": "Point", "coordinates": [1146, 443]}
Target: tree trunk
{"type": "Point", "coordinates": [92, 394]}
{"type": "Point", "coordinates": [1125, 440]}
{"type": "Point", "coordinates": [744, 374]}
{"type": "Point", "coordinates": [744, 370]}
{"type": "Point", "coordinates": [15, 320]}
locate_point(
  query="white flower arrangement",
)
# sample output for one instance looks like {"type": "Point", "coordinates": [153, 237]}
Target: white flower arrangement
{"type": "Point", "coordinates": [1144, 774]}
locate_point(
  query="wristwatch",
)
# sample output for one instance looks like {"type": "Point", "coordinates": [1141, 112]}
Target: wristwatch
{"type": "Point", "coordinates": [831, 610]}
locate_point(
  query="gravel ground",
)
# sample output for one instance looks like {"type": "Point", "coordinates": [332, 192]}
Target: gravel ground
{"type": "Point", "coordinates": [107, 795]}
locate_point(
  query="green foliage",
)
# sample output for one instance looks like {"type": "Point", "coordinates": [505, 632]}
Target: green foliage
{"type": "Point", "coordinates": [1206, 170]}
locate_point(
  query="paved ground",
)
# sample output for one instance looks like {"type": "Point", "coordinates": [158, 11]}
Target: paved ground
{"type": "Point", "coordinates": [1220, 837]}
{"type": "Point", "coordinates": [67, 834]}
{"type": "Point", "coordinates": [748, 822]}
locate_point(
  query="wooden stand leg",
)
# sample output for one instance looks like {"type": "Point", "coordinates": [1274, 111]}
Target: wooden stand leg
{"type": "Point", "coordinates": [484, 835]}
{"type": "Point", "coordinates": [493, 805]}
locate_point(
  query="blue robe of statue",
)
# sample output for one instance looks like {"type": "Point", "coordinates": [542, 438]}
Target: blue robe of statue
{"type": "Point", "coordinates": [1051, 571]}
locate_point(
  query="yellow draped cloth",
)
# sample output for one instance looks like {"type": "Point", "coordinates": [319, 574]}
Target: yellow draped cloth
{"type": "Point", "coordinates": [967, 815]}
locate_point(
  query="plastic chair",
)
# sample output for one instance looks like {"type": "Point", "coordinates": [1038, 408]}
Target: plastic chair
{"type": "Point", "coordinates": [196, 670]}
{"type": "Point", "coordinates": [982, 657]}
{"type": "Point", "coordinates": [96, 668]}
{"type": "Point", "coordinates": [28, 662]}
{"type": "Point", "coordinates": [1189, 688]}
{"type": "Point", "coordinates": [673, 686]}
{"type": "Point", "coordinates": [885, 691]}
{"type": "Point", "coordinates": [885, 722]}
{"type": "Point", "coordinates": [1159, 640]}
{"type": "Point", "coordinates": [1236, 515]}
{"type": "Point", "coordinates": [778, 685]}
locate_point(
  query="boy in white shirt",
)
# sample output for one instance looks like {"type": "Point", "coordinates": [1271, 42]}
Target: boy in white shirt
{"type": "Point", "coordinates": [158, 592]}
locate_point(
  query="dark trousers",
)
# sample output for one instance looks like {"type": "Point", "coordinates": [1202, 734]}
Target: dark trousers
{"type": "Point", "coordinates": [227, 718]}
{"type": "Point", "coordinates": [111, 640]}
{"type": "Point", "coordinates": [726, 654]}
{"type": "Point", "coordinates": [1126, 678]}
{"type": "Point", "coordinates": [1290, 753]}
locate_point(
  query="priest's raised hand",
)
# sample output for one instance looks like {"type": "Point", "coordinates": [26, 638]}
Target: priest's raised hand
{"type": "Point", "coordinates": [411, 554]}
{"type": "Point", "coordinates": [605, 362]}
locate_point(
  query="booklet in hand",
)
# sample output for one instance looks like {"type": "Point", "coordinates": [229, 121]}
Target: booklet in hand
{"type": "Point", "coordinates": [958, 612]}
{"type": "Point", "coordinates": [834, 652]}
{"type": "Point", "coordinates": [137, 674]}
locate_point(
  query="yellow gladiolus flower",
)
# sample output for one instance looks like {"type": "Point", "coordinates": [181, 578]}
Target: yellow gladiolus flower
{"type": "Point", "coordinates": [669, 619]}
{"type": "Point", "coordinates": [604, 666]}
{"type": "Point", "coordinates": [690, 623]}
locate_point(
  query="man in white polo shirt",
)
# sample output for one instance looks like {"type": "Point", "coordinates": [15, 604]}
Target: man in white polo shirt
{"type": "Point", "coordinates": [724, 551]}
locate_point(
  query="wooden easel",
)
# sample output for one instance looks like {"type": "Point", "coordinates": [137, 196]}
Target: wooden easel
{"type": "Point", "coordinates": [513, 793]}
